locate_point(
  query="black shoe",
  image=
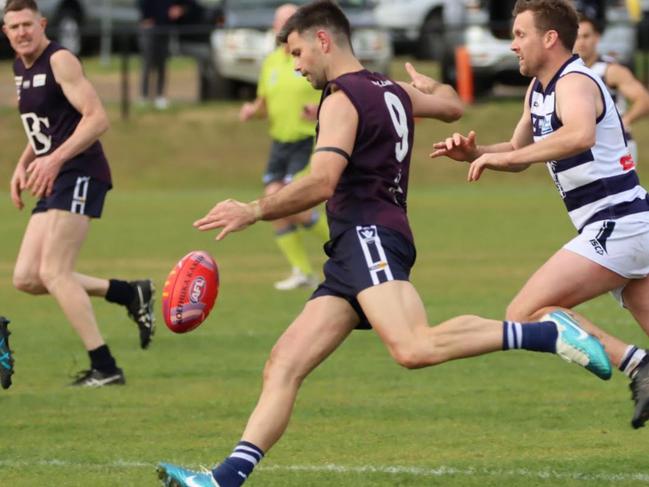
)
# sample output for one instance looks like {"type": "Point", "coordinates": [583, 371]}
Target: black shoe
{"type": "Point", "coordinates": [97, 378]}
{"type": "Point", "coordinates": [6, 357]}
{"type": "Point", "coordinates": [141, 310]}
{"type": "Point", "coordinates": [640, 393]}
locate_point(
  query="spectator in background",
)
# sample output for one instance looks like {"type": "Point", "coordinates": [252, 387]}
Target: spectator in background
{"type": "Point", "coordinates": [157, 18]}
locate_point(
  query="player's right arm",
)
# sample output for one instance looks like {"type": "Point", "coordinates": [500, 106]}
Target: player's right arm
{"type": "Point", "coordinates": [465, 148]}
{"type": "Point", "coordinates": [19, 177]}
{"type": "Point", "coordinates": [338, 125]}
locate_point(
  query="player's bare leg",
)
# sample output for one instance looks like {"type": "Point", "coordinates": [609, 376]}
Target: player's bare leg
{"type": "Point", "coordinates": [320, 328]}
{"type": "Point", "coordinates": [636, 299]}
{"type": "Point", "coordinates": [64, 236]}
{"type": "Point", "coordinates": [566, 280]}
{"type": "Point", "coordinates": [136, 296]}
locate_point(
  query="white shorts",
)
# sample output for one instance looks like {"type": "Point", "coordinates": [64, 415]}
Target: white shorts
{"type": "Point", "coordinates": [621, 246]}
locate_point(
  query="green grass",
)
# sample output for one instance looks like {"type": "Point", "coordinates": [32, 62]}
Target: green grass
{"type": "Point", "coordinates": [504, 419]}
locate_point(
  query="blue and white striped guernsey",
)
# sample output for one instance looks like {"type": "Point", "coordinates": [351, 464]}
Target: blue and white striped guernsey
{"type": "Point", "coordinates": [600, 183]}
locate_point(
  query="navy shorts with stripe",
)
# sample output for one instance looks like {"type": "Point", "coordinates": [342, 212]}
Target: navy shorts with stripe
{"type": "Point", "coordinates": [362, 257]}
{"type": "Point", "coordinates": [77, 193]}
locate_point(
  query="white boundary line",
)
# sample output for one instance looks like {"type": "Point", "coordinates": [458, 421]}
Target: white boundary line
{"type": "Point", "coordinates": [441, 471]}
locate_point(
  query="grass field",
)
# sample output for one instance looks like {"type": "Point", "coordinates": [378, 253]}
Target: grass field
{"type": "Point", "coordinates": [505, 419]}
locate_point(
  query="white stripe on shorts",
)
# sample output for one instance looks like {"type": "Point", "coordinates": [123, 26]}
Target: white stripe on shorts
{"type": "Point", "coordinates": [80, 195]}
{"type": "Point", "coordinates": [369, 235]}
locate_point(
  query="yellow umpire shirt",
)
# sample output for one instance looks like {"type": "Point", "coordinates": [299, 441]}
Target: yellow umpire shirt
{"type": "Point", "coordinates": [286, 93]}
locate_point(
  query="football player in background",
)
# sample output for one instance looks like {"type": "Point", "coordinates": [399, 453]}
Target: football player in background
{"type": "Point", "coordinates": [290, 103]}
{"type": "Point", "coordinates": [630, 96]}
{"type": "Point", "coordinates": [570, 120]}
{"type": "Point", "coordinates": [64, 166]}
{"type": "Point", "coordinates": [360, 167]}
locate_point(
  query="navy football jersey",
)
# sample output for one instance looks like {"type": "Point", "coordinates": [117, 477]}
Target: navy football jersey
{"type": "Point", "coordinates": [49, 119]}
{"type": "Point", "coordinates": [373, 188]}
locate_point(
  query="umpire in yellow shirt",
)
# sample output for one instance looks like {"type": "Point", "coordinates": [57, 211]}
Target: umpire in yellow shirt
{"type": "Point", "coordinates": [290, 103]}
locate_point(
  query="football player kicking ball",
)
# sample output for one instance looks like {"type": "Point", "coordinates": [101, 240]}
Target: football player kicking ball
{"type": "Point", "coordinates": [360, 167]}
{"type": "Point", "coordinates": [64, 166]}
{"type": "Point", "coordinates": [570, 119]}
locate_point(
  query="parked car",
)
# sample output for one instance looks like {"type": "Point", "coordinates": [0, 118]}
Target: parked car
{"type": "Point", "coordinates": [78, 24]}
{"type": "Point", "coordinates": [484, 28]}
{"type": "Point", "coordinates": [243, 38]}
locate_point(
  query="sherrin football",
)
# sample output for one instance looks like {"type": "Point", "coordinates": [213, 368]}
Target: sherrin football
{"type": "Point", "coordinates": [190, 291]}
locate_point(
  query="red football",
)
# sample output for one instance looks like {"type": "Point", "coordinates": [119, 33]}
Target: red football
{"type": "Point", "coordinates": [190, 291]}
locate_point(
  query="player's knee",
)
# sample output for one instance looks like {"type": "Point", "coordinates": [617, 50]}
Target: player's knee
{"type": "Point", "coordinates": [279, 371]}
{"type": "Point", "coordinates": [27, 282]}
{"type": "Point", "coordinates": [410, 355]}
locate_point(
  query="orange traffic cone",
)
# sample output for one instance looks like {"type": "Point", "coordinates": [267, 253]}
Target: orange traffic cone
{"type": "Point", "coordinates": [464, 74]}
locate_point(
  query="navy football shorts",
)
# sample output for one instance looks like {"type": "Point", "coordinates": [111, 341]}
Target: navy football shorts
{"type": "Point", "coordinates": [76, 193]}
{"type": "Point", "coordinates": [287, 159]}
{"type": "Point", "coordinates": [362, 257]}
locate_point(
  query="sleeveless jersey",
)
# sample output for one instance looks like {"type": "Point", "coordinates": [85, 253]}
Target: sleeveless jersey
{"type": "Point", "coordinates": [600, 183]}
{"type": "Point", "coordinates": [373, 188]}
{"type": "Point", "coordinates": [49, 119]}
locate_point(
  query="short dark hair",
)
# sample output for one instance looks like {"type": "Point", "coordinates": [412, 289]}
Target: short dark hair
{"type": "Point", "coordinates": [17, 5]}
{"type": "Point", "coordinates": [597, 26]}
{"type": "Point", "coordinates": [557, 15]}
{"type": "Point", "coordinates": [321, 13]}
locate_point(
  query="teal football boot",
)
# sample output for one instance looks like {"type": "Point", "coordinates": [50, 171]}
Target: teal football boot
{"type": "Point", "coordinates": [575, 345]}
{"type": "Point", "coordinates": [175, 476]}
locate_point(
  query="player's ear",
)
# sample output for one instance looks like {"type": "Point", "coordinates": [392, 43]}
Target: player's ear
{"type": "Point", "coordinates": [550, 38]}
{"type": "Point", "coordinates": [324, 40]}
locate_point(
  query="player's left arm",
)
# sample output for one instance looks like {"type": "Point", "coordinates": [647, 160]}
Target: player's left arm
{"type": "Point", "coordinates": [621, 78]}
{"type": "Point", "coordinates": [578, 102]}
{"type": "Point", "coordinates": [94, 122]}
{"type": "Point", "coordinates": [338, 124]}
{"type": "Point", "coordinates": [441, 104]}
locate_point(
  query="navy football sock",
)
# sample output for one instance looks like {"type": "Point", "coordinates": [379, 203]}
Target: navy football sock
{"type": "Point", "coordinates": [235, 469]}
{"type": "Point", "coordinates": [537, 337]}
{"type": "Point", "coordinates": [101, 359]}
{"type": "Point", "coordinates": [119, 292]}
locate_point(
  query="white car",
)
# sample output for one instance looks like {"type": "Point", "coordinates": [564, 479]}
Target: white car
{"type": "Point", "coordinates": [244, 38]}
{"type": "Point", "coordinates": [484, 28]}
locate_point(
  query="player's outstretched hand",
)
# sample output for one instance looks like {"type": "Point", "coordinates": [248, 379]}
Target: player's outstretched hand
{"type": "Point", "coordinates": [230, 215]}
{"type": "Point", "coordinates": [457, 147]}
{"type": "Point", "coordinates": [18, 183]}
{"type": "Point", "coordinates": [423, 83]}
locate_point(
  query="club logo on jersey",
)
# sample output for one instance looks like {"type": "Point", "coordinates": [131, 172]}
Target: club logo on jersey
{"type": "Point", "coordinates": [33, 124]}
{"type": "Point", "coordinates": [39, 80]}
{"type": "Point", "coordinates": [26, 84]}
{"type": "Point", "coordinates": [627, 162]}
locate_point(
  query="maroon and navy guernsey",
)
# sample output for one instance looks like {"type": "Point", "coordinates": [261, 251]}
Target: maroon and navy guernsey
{"type": "Point", "coordinates": [374, 186]}
{"type": "Point", "coordinates": [49, 119]}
